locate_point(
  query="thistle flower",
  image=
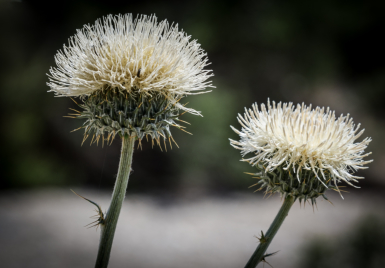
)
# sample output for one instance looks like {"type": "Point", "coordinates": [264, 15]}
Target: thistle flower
{"type": "Point", "coordinates": [131, 75]}
{"type": "Point", "coordinates": [299, 151]}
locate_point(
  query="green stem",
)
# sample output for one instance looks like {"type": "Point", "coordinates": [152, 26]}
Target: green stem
{"type": "Point", "coordinates": [274, 227]}
{"type": "Point", "coordinates": [109, 225]}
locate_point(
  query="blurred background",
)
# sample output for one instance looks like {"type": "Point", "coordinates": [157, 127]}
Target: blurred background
{"type": "Point", "coordinates": [191, 207]}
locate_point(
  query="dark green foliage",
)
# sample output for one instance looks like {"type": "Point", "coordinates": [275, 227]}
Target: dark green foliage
{"type": "Point", "coordinates": [329, 53]}
{"type": "Point", "coordinates": [362, 247]}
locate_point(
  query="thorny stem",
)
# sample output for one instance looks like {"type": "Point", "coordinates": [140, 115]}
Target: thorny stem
{"type": "Point", "coordinates": [274, 227]}
{"type": "Point", "coordinates": [107, 231]}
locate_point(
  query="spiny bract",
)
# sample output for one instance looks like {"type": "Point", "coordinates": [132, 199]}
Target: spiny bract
{"type": "Point", "coordinates": [304, 143]}
{"type": "Point", "coordinates": [130, 74]}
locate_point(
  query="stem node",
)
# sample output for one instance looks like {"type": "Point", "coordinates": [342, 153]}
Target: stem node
{"type": "Point", "coordinates": [107, 230]}
{"type": "Point", "coordinates": [265, 239]}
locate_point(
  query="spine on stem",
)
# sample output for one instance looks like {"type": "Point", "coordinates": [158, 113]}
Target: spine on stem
{"type": "Point", "coordinates": [112, 216]}
{"type": "Point", "coordinates": [266, 239]}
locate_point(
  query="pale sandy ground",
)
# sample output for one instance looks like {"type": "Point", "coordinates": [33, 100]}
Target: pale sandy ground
{"type": "Point", "coordinates": [45, 229]}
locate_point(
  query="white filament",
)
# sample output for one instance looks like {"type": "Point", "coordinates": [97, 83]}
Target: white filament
{"type": "Point", "coordinates": [302, 138]}
{"type": "Point", "coordinates": [132, 56]}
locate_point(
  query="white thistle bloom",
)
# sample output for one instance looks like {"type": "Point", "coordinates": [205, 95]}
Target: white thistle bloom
{"type": "Point", "coordinates": [132, 56]}
{"type": "Point", "coordinates": [130, 75]}
{"type": "Point", "coordinates": [301, 139]}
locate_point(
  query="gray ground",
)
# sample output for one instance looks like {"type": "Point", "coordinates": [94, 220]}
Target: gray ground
{"type": "Point", "coordinates": [45, 229]}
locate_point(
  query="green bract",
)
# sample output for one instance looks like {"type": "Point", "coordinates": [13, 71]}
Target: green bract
{"type": "Point", "coordinates": [302, 186]}
{"type": "Point", "coordinates": [111, 112]}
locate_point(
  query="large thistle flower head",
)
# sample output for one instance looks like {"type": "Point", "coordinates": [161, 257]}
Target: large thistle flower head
{"type": "Point", "coordinates": [300, 151]}
{"type": "Point", "coordinates": [131, 75]}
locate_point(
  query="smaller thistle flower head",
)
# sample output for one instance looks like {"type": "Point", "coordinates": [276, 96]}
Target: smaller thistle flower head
{"type": "Point", "coordinates": [300, 150]}
{"type": "Point", "coordinates": [131, 75]}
